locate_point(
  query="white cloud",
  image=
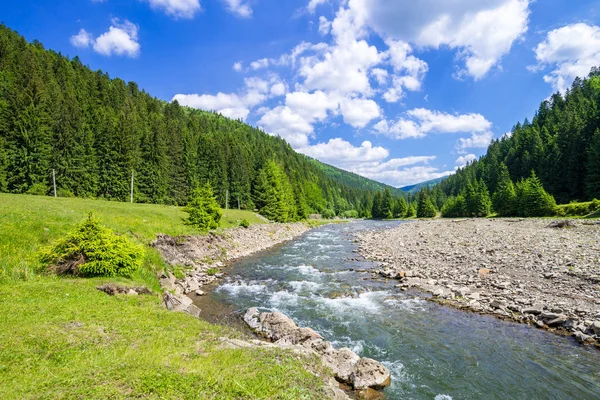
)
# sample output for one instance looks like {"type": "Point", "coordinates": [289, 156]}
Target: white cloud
{"type": "Point", "coordinates": [283, 122]}
{"type": "Point", "coordinates": [121, 39]}
{"type": "Point", "coordinates": [464, 160]}
{"type": "Point", "coordinates": [343, 154]}
{"type": "Point", "coordinates": [313, 4]}
{"type": "Point", "coordinates": [324, 25]}
{"type": "Point", "coordinates": [420, 122]}
{"type": "Point", "coordinates": [476, 141]}
{"type": "Point", "coordinates": [482, 31]}
{"type": "Point", "coordinates": [238, 67]}
{"type": "Point", "coordinates": [184, 9]}
{"type": "Point", "coordinates": [572, 50]}
{"type": "Point", "coordinates": [258, 64]}
{"type": "Point", "coordinates": [239, 8]}
{"type": "Point", "coordinates": [359, 112]}
{"type": "Point", "coordinates": [234, 105]}
{"type": "Point", "coordinates": [83, 39]}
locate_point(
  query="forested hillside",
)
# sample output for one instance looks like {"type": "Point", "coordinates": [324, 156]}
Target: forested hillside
{"type": "Point", "coordinates": [559, 151]}
{"type": "Point", "coordinates": [94, 131]}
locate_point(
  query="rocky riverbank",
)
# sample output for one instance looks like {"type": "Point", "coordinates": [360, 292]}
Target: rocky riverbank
{"type": "Point", "coordinates": [523, 270]}
{"type": "Point", "coordinates": [199, 259]}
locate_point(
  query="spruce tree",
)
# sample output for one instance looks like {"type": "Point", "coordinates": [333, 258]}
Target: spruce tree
{"type": "Point", "coordinates": [387, 204]}
{"type": "Point", "coordinates": [505, 198]}
{"type": "Point", "coordinates": [592, 184]}
{"type": "Point", "coordinates": [425, 208]}
{"type": "Point", "coordinates": [376, 211]}
{"type": "Point", "coordinates": [203, 209]}
{"type": "Point", "coordinates": [533, 200]}
{"type": "Point", "coordinates": [274, 194]}
{"type": "Point", "coordinates": [400, 207]}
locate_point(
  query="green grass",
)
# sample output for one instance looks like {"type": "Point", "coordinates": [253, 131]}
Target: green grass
{"type": "Point", "coordinates": [62, 338]}
{"type": "Point", "coordinates": [29, 222]}
{"type": "Point", "coordinates": [587, 209]}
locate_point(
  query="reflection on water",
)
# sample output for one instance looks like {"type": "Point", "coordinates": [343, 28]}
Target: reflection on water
{"type": "Point", "coordinates": [433, 352]}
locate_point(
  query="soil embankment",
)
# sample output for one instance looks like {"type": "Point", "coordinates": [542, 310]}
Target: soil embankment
{"type": "Point", "coordinates": [522, 270]}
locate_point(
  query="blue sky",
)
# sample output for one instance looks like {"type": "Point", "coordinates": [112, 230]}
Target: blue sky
{"type": "Point", "coordinates": [398, 91]}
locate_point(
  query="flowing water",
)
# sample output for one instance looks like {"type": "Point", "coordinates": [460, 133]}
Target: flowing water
{"type": "Point", "coordinates": [433, 352]}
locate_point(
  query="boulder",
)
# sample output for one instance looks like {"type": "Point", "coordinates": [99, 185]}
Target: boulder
{"type": "Point", "coordinates": [595, 327]}
{"type": "Point", "coordinates": [558, 321]}
{"type": "Point", "coordinates": [369, 373]}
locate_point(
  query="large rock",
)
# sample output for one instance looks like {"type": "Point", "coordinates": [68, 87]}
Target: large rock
{"type": "Point", "coordinates": [369, 373]}
{"type": "Point", "coordinates": [347, 366]}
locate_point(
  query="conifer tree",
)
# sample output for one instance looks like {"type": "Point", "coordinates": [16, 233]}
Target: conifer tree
{"type": "Point", "coordinates": [203, 209]}
{"type": "Point", "coordinates": [593, 167]}
{"type": "Point", "coordinates": [387, 204]}
{"type": "Point", "coordinates": [505, 199]}
{"type": "Point", "coordinates": [274, 194]}
{"type": "Point", "coordinates": [400, 207]}
{"type": "Point", "coordinates": [533, 200]}
{"type": "Point", "coordinates": [425, 208]}
{"type": "Point", "coordinates": [376, 211]}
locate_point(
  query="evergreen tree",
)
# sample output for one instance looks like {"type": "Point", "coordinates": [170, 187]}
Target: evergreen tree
{"type": "Point", "coordinates": [387, 204]}
{"type": "Point", "coordinates": [593, 168]}
{"type": "Point", "coordinates": [274, 194]}
{"type": "Point", "coordinates": [376, 211]}
{"type": "Point", "coordinates": [425, 208]}
{"type": "Point", "coordinates": [411, 211]}
{"type": "Point", "coordinates": [505, 198]}
{"type": "Point", "coordinates": [203, 209]}
{"type": "Point", "coordinates": [455, 207]}
{"type": "Point", "coordinates": [400, 207]}
{"type": "Point", "coordinates": [533, 200]}
{"type": "Point", "coordinates": [477, 199]}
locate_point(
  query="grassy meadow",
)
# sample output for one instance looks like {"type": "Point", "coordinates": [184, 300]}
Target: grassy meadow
{"type": "Point", "coordinates": [62, 338]}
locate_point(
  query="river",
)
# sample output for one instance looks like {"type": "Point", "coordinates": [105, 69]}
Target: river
{"type": "Point", "coordinates": [433, 351]}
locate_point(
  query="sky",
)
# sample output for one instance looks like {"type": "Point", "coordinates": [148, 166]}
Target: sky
{"type": "Point", "coordinates": [397, 91]}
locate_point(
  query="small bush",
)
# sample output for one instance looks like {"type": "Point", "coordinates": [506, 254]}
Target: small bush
{"type": "Point", "coordinates": [93, 250]}
{"type": "Point", "coordinates": [62, 192]}
{"type": "Point", "coordinates": [212, 271]}
{"type": "Point", "coordinates": [244, 223]}
{"type": "Point", "coordinates": [38, 189]}
{"type": "Point", "coordinates": [328, 214]}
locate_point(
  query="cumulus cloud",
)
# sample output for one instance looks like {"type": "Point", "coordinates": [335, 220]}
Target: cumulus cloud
{"type": "Point", "coordinates": [476, 141]}
{"type": "Point", "coordinates": [235, 105]}
{"type": "Point", "coordinates": [313, 4]}
{"type": "Point", "coordinates": [372, 162]}
{"type": "Point", "coordinates": [121, 40]}
{"type": "Point", "coordinates": [184, 9]}
{"type": "Point", "coordinates": [285, 123]}
{"type": "Point", "coordinates": [482, 31]}
{"type": "Point", "coordinates": [464, 160]}
{"type": "Point", "coordinates": [238, 67]}
{"type": "Point", "coordinates": [239, 8]}
{"type": "Point", "coordinates": [420, 122]}
{"type": "Point", "coordinates": [359, 112]}
{"type": "Point", "coordinates": [324, 25]}
{"type": "Point", "coordinates": [572, 51]}
{"type": "Point", "coordinates": [82, 40]}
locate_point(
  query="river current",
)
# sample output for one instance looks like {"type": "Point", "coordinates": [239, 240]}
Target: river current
{"type": "Point", "coordinates": [434, 352]}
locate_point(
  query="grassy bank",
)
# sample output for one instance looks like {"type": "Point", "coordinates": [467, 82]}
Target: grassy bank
{"type": "Point", "coordinates": [30, 222]}
{"type": "Point", "coordinates": [62, 338]}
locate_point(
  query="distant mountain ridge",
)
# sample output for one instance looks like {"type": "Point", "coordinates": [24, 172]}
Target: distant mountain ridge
{"type": "Point", "coordinates": [417, 187]}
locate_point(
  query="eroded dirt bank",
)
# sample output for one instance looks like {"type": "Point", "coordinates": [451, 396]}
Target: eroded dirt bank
{"type": "Point", "coordinates": [517, 269]}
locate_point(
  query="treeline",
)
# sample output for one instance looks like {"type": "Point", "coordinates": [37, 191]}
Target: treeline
{"type": "Point", "coordinates": [553, 158]}
{"type": "Point", "coordinates": [94, 132]}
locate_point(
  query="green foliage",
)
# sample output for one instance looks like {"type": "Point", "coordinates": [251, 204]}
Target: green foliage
{"type": "Point", "coordinates": [533, 200]}
{"type": "Point", "coordinates": [350, 214]}
{"type": "Point", "coordinates": [203, 209]}
{"type": "Point", "coordinates": [455, 207]}
{"type": "Point", "coordinates": [212, 271]}
{"type": "Point", "coordinates": [411, 211]}
{"type": "Point", "coordinates": [55, 113]}
{"type": "Point", "coordinates": [245, 223]}
{"type": "Point", "coordinates": [578, 209]}
{"type": "Point", "coordinates": [274, 195]}
{"type": "Point", "coordinates": [561, 144]}
{"type": "Point", "coordinates": [93, 250]}
{"type": "Point", "coordinates": [477, 199]}
{"type": "Point", "coordinates": [425, 208]}
{"type": "Point", "coordinates": [505, 198]}
{"type": "Point", "coordinates": [328, 214]}
{"type": "Point", "coordinates": [400, 207]}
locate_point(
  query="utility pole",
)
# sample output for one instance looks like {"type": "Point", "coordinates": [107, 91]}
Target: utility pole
{"type": "Point", "coordinates": [227, 199]}
{"type": "Point", "coordinates": [131, 186]}
{"type": "Point", "coordinates": [54, 181]}
{"type": "Point", "coordinates": [239, 204]}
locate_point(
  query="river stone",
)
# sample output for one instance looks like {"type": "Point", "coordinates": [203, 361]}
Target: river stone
{"type": "Point", "coordinates": [369, 373]}
{"type": "Point", "coordinates": [595, 327]}
{"type": "Point", "coordinates": [581, 337]}
{"type": "Point", "coordinates": [561, 319]}
{"type": "Point", "coordinates": [343, 363]}
{"type": "Point", "coordinates": [535, 310]}
{"type": "Point", "coordinates": [193, 310]}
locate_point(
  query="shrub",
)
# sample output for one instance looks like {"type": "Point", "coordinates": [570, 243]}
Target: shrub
{"type": "Point", "coordinates": [244, 223]}
{"type": "Point", "coordinates": [38, 189]}
{"type": "Point", "coordinates": [93, 250]}
{"type": "Point", "coordinates": [454, 207]}
{"type": "Point", "coordinates": [328, 214]}
{"type": "Point", "coordinates": [203, 209]}
{"type": "Point", "coordinates": [212, 271]}
{"type": "Point", "coordinates": [350, 214]}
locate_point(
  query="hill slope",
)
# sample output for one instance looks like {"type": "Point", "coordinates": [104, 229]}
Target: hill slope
{"type": "Point", "coordinates": [417, 187]}
{"type": "Point", "coordinates": [561, 144]}
{"type": "Point", "coordinates": [94, 132]}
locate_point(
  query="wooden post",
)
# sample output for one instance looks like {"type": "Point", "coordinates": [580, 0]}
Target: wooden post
{"type": "Point", "coordinates": [54, 181]}
{"type": "Point", "coordinates": [131, 186]}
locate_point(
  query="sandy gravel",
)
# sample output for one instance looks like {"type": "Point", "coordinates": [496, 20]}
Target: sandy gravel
{"type": "Point", "coordinates": [517, 269]}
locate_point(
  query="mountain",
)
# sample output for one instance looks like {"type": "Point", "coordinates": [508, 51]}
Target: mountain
{"type": "Point", "coordinates": [93, 134]}
{"type": "Point", "coordinates": [560, 147]}
{"type": "Point", "coordinates": [417, 187]}
{"type": "Point", "coordinates": [353, 180]}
